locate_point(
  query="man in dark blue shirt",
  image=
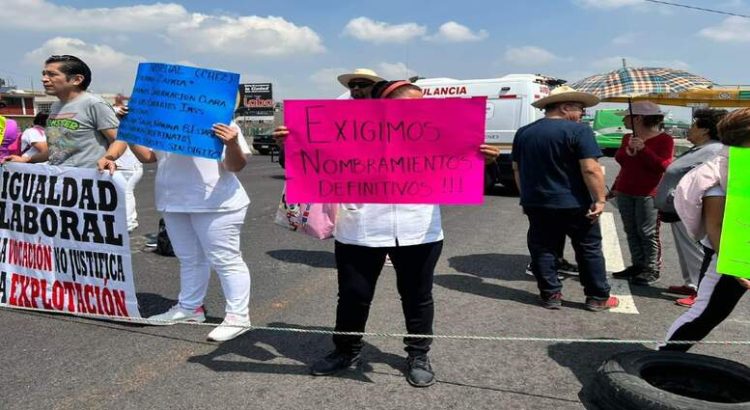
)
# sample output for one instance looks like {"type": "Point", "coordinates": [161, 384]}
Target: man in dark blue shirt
{"type": "Point", "coordinates": [555, 162]}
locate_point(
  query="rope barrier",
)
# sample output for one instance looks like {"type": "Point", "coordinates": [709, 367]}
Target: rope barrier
{"type": "Point", "coordinates": [150, 322]}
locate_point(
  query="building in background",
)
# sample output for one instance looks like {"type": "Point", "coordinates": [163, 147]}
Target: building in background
{"type": "Point", "coordinates": [258, 115]}
{"type": "Point", "coordinates": [18, 104]}
{"type": "Point", "coordinates": [256, 103]}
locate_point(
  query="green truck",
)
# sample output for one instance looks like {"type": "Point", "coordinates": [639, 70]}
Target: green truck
{"type": "Point", "coordinates": [608, 129]}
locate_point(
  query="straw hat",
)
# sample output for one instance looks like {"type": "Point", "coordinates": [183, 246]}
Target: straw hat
{"type": "Point", "coordinates": [565, 93]}
{"type": "Point", "coordinates": [365, 73]}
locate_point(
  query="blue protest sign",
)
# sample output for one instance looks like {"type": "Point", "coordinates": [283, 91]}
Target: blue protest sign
{"type": "Point", "coordinates": [173, 107]}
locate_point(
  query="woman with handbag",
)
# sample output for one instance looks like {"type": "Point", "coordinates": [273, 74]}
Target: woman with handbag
{"type": "Point", "coordinates": [705, 139]}
{"type": "Point", "coordinates": [412, 236]}
{"type": "Point", "coordinates": [700, 199]}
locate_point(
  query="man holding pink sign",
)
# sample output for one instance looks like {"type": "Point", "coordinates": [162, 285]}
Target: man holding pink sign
{"type": "Point", "coordinates": [370, 161]}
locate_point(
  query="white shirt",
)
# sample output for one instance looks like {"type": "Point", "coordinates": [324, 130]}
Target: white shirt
{"type": "Point", "coordinates": [31, 136]}
{"type": "Point", "coordinates": [192, 184]}
{"type": "Point", "coordinates": [385, 225]}
{"type": "Point", "coordinates": [128, 161]}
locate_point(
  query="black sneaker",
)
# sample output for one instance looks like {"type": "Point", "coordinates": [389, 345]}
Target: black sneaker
{"type": "Point", "coordinates": [647, 277]}
{"type": "Point", "coordinates": [566, 268]}
{"type": "Point", "coordinates": [334, 362]}
{"type": "Point", "coordinates": [553, 301]}
{"type": "Point", "coordinates": [419, 372]}
{"type": "Point", "coordinates": [530, 272]}
{"type": "Point", "coordinates": [628, 272]}
{"type": "Point", "coordinates": [151, 241]}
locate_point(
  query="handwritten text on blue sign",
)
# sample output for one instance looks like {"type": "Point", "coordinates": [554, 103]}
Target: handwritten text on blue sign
{"type": "Point", "coordinates": [173, 107]}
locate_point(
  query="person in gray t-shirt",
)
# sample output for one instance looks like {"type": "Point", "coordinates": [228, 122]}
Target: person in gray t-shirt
{"type": "Point", "coordinates": [76, 131]}
{"type": "Point", "coordinates": [82, 128]}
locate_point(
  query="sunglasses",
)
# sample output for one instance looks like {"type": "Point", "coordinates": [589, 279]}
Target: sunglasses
{"type": "Point", "coordinates": [359, 84]}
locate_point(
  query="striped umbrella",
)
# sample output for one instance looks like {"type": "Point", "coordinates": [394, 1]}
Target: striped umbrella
{"type": "Point", "coordinates": [632, 82]}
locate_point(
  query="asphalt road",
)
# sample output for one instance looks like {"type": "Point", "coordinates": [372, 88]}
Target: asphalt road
{"type": "Point", "coordinates": [52, 361]}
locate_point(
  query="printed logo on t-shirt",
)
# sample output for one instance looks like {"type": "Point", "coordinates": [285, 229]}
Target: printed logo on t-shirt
{"type": "Point", "coordinates": [59, 136]}
{"type": "Point", "coordinates": [64, 123]}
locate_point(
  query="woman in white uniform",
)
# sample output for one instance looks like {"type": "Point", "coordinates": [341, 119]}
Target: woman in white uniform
{"type": "Point", "coordinates": [412, 235]}
{"type": "Point", "coordinates": [132, 170]}
{"type": "Point", "coordinates": [204, 204]}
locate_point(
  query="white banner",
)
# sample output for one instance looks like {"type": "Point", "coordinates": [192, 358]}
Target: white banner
{"type": "Point", "coordinates": [64, 243]}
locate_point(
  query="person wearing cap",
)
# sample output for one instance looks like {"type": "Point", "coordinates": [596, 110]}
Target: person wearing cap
{"type": "Point", "coordinates": [643, 156]}
{"type": "Point", "coordinates": [555, 163]}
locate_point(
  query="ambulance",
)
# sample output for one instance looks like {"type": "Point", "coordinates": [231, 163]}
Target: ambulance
{"type": "Point", "coordinates": [509, 108]}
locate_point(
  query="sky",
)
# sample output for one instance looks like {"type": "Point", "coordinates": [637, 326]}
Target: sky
{"type": "Point", "coordinates": [301, 46]}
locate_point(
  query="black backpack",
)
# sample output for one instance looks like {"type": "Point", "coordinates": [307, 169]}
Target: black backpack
{"type": "Point", "coordinates": [163, 244]}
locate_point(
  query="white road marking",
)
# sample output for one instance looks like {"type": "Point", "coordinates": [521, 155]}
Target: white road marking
{"type": "Point", "coordinates": [613, 258]}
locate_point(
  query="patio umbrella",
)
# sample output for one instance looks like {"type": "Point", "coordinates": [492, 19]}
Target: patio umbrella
{"type": "Point", "coordinates": [632, 82]}
{"type": "Point", "coordinates": [629, 82]}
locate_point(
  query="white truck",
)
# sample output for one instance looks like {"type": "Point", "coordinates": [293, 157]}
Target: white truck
{"type": "Point", "coordinates": [509, 107]}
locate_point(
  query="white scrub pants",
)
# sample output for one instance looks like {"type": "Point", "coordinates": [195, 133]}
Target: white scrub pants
{"type": "Point", "coordinates": [132, 176]}
{"type": "Point", "coordinates": [205, 240]}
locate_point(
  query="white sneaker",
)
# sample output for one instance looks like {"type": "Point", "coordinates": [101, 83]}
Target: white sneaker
{"type": "Point", "coordinates": [388, 260]}
{"type": "Point", "coordinates": [231, 327]}
{"type": "Point", "coordinates": [177, 314]}
{"type": "Point", "coordinates": [528, 270]}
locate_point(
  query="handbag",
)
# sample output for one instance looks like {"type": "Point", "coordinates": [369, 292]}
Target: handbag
{"type": "Point", "coordinates": [669, 217]}
{"type": "Point", "coordinates": [163, 244]}
{"type": "Point", "coordinates": [316, 220]}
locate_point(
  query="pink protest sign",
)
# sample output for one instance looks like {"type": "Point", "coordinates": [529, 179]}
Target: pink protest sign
{"type": "Point", "coordinates": [418, 151]}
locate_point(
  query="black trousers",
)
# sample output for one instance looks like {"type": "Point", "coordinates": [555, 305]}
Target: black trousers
{"type": "Point", "coordinates": [723, 293]}
{"type": "Point", "coordinates": [358, 270]}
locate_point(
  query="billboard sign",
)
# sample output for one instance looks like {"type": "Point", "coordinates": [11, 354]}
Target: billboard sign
{"type": "Point", "coordinates": [256, 100]}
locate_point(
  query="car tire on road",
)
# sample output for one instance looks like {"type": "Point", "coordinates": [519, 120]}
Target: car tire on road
{"type": "Point", "coordinates": [670, 381]}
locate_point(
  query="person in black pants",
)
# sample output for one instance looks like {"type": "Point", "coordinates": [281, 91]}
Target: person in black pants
{"type": "Point", "coordinates": [718, 294]}
{"type": "Point", "coordinates": [561, 184]}
{"type": "Point", "coordinates": [358, 270]}
{"type": "Point", "coordinates": [412, 235]}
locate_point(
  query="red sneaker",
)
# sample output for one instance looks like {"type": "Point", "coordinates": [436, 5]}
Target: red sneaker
{"type": "Point", "coordinates": [687, 302]}
{"type": "Point", "coordinates": [682, 290]}
{"type": "Point", "coordinates": [596, 305]}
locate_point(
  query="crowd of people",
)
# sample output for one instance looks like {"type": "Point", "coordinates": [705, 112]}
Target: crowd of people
{"type": "Point", "coordinates": [562, 193]}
